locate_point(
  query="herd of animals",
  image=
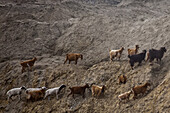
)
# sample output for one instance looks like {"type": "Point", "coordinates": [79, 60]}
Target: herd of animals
{"type": "Point", "coordinates": [35, 94]}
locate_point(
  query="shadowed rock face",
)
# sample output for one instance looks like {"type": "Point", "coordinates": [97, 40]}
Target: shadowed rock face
{"type": "Point", "coordinates": [50, 29]}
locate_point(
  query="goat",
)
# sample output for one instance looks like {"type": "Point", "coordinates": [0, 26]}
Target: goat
{"type": "Point", "coordinates": [35, 89]}
{"type": "Point", "coordinates": [27, 64]}
{"type": "Point", "coordinates": [137, 58]}
{"type": "Point", "coordinates": [133, 51]}
{"type": "Point", "coordinates": [35, 94]}
{"type": "Point", "coordinates": [73, 57]}
{"type": "Point", "coordinates": [122, 79]}
{"type": "Point", "coordinates": [15, 91]}
{"type": "Point", "coordinates": [140, 89]}
{"type": "Point", "coordinates": [78, 90]}
{"type": "Point", "coordinates": [97, 90]}
{"type": "Point", "coordinates": [158, 54]}
{"type": "Point", "coordinates": [125, 96]}
{"type": "Point", "coordinates": [55, 91]}
{"type": "Point", "coordinates": [116, 53]}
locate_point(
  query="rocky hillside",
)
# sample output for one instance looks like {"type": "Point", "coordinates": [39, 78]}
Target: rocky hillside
{"type": "Point", "coordinates": [49, 29]}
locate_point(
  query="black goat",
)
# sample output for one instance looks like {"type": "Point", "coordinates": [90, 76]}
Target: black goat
{"type": "Point", "coordinates": [158, 54]}
{"type": "Point", "coordinates": [137, 58]}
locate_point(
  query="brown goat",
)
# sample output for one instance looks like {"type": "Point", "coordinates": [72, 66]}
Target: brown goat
{"type": "Point", "coordinates": [122, 79]}
{"type": "Point", "coordinates": [27, 64]}
{"type": "Point", "coordinates": [116, 53]}
{"type": "Point", "coordinates": [35, 95]}
{"type": "Point", "coordinates": [140, 89]}
{"type": "Point", "coordinates": [133, 51]}
{"type": "Point", "coordinates": [78, 90]}
{"type": "Point", "coordinates": [97, 90]}
{"type": "Point", "coordinates": [73, 57]}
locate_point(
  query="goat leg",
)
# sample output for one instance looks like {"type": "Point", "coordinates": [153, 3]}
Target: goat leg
{"type": "Point", "coordinates": [66, 60]}
{"type": "Point", "coordinates": [73, 95]}
{"type": "Point", "coordinates": [30, 68]}
{"type": "Point", "coordinates": [139, 64]}
{"type": "Point", "coordinates": [48, 97]}
{"type": "Point", "coordinates": [69, 94]}
{"type": "Point", "coordinates": [83, 95]}
{"type": "Point", "coordinates": [23, 69]}
{"type": "Point", "coordinates": [57, 96]}
{"type": "Point", "coordinates": [76, 62]}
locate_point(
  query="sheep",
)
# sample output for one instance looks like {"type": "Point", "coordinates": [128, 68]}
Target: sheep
{"type": "Point", "coordinates": [78, 90]}
{"type": "Point", "coordinates": [73, 57]}
{"type": "Point", "coordinates": [158, 54]}
{"type": "Point", "coordinates": [137, 58]}
{"type": "Point", "coordinates": [27, 64]}
{"type": "Point", "coordinates": [125, 96]}
{"type": "Point", "coordinates": [97, 90]}
{"type": "Point", "coordinates": [115, 53]}
{"type": "Point", "coordinates": [55, 91]}
{"type": "Point", "coordinates": [35, 95]}
{"type": "Point", "coordinates": [122, 79]}
{"type": "Point", "coordinates": [133, 51]}
{"type": "Point", "coordinates": [15, 91]}
{"type": "Point", "coordinates": [140, 89]}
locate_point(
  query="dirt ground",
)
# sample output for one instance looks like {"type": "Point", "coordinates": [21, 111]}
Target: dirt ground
{"type": "Point", "coordinates": [49, 29]}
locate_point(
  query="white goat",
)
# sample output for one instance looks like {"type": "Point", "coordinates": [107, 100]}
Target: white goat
{"type": "Point", "coordinates": [15, 91]}
{"type": "Point", "coordinates": [52, 91]}
{"type": "Point", "coordinates": [125, 95]}
{"type": "Point", "coordinates": [116, 53]}
{"type": "Point", "coordinates": [35, 89]}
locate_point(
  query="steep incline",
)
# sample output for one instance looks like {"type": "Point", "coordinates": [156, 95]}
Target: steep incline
{"type": "Point", "coordinates": [49, 29]}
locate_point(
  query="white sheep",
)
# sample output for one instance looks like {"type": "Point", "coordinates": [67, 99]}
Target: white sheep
{"type": "Point", "coordinates": [15, 91]}
{"type": "Point", "coordinates": [52, 91]}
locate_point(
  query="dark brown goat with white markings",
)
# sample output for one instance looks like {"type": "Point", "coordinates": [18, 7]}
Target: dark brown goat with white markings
{"type": "Point", "coordinates": [35, 95]}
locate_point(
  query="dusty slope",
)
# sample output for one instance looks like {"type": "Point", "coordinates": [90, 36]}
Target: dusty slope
{"type": "Point", "coordinates": [51, 29]}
